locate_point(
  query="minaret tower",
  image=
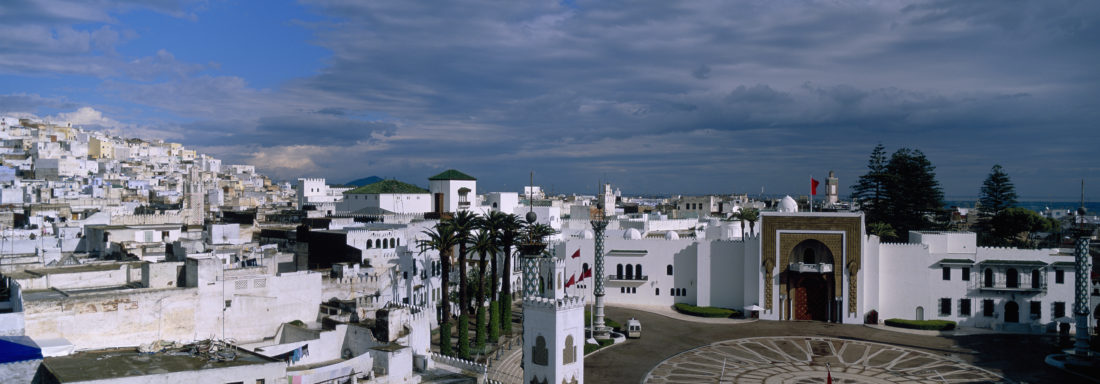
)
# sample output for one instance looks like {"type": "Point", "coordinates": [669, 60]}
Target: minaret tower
{"type": "Point", "coordinates": [599, 224]}
{"type": "Point", "coordinates": [553, 322]}
{"type": "Point", "coordinates": [1081, 304]}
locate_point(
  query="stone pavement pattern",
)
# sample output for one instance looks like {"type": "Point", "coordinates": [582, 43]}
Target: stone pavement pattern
{"type": "Point", "coordinates": [799, 359]}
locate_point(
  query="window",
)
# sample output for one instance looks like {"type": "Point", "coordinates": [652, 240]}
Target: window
{"type": "Point", "coordinates": [638, 271]}
{"type": "Point", "coordinates": [966, 273]}
{"type": "Point", "coordinates": [1036, 309]}
{"type": "Point", "coordinates": [569, 354]}
{"type": "Point", "coordinates": [1012, 278]}
{"type": "Point", "coordinates": [947, 273]}
{"type": "Point", "coordinates": [964, 307]}
{"type": "Point", "coordinates": [1035, 278]}
{"type": "Point", "coordinates": [987, 308]}
{"type": "Point", "coordinates": [1059, 309]}
{"type": "Point", "coordinates": [619, 271]}
{"type": "Point", "coordinates": [656, 291]}
{"type": "Point", "coordinates": [629, 272]}
{"type": "Point", "coordinates": [622, 289]}
{"type": "Point", "coordinates": [988, 281]}
{"type": "Point", "coordinates": [668, 270]}
{"type": "Point", "coordinates": [945, 307]}
{"type": "Point", "coordinates": [1059, 276]}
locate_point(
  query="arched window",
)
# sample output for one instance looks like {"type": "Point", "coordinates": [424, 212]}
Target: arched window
{"type": "Point", "coordinates": [668, 270]}
{"type": "Point", "coordinates": [638, 271]}
{"type": "Point", "coordinates": [988, 280]}
{"type": "Point", "coordinates": [1035, 278]}
{"type": "Point", "coordinates": [629, 272]}
{"type": "Point", "coordinates": [584, 267]}
{"type": "Point", "coordinates": [619, 271]}
{"type": "Point", "coordinates": [808, 257]}
{"type": "Point", "coordinates": [1012, 278]}
{"type": "Point", "coordinates": [569, 354]}
{"type": "Point", "coordinates": [370, 243]}
{"type": "Point", "coordinates": [539, 353]}
{"type": "Point", "coordinates": [559, 280]}
{"type": "Point", "coordinates": [393, 243]}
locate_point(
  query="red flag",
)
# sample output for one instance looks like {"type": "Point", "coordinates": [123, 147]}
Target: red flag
{"type": "Point", "coordinates": [813, 186]}
{"type": "Point", "coordinates": [829, 377]}
{"type": "Point", "coordinates": [586, 273]}
{"type": "Point", "coordinates": [576, 254]}
{"type": "Point", "coordinates": [572, 280]}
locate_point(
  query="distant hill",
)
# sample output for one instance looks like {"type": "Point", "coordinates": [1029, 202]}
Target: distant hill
{"type": "Point", "coordinates": [365, 181]}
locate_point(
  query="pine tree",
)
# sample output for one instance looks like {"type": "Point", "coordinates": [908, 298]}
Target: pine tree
{"type": "Point", "coordinates": [998, 193]}
{"type": "Point", "coordinates": [914, 199]}
{"type": "Point", "coordinates": [870, 191]}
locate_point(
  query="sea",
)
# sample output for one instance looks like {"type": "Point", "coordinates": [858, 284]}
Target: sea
{"type": "Point", "coordinates": [1035, 205]}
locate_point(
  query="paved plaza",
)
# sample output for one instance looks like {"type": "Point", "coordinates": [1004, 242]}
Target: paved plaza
{"type": "Point", "coordinates": [682, 351]}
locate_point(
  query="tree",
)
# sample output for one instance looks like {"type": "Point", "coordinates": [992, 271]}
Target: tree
{"type": "Point", "coordinates": [870, 190]}
{"type": "Point", "coordinates": [492, 224]}
{"type": "Point", "coordinates": [998, 193]}
{"type": "Point", "coordinates": [882, 230]}
{"type": "Point", "coordinates": [750, 215]}
{"type": "Point", "coordinates": [464, 223]}
{"type": "Point", "coordinates": [443, 239]}
{"type": "Point", "coordinates": [914, 199]}
{"type": "Point", "coordinates": [1013, 226]}
{"type": "Point", "coordinates": [483, 245]}
{"type": "Point", "coordinates": [509, 232]}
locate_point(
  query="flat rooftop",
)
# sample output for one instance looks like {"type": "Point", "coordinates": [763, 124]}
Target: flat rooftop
{"type": "Point", "coordinates": [127, 362]}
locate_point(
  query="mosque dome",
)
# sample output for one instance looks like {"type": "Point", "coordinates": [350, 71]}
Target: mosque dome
{"type": "Point", "coordinates": [671, 235]}
{"type": "Point", "coordinates": [632, 234]}
{"type": "Point", "coordinates": [787, 205]}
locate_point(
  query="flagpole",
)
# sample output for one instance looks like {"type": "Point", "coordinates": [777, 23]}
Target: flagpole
{"type": "Point", "coordinates": [811, 193]}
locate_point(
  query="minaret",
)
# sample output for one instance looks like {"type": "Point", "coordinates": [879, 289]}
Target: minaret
{"type": "Point", "coordinates": [1081, 304]}
{"type": "Point", "coordinates": [831, 187]}
{"type": "Point", "coordinates": [599, 224]}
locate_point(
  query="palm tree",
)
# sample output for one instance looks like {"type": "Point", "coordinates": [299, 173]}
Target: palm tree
{"type": "Point", "coordinates": [491, 224]}
{"type": "Point", "coordinates": [464, 222]}
{"type": "Point", "coordinates": [509, 231]}
{"type": "Point", "coordinates": [750, 215]}
{"type": "Point", "coordinates": [443, 238]}
{"type": "Point", "coordinates": [483, 245]}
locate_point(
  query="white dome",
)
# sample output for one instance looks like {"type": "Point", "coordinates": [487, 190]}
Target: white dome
{"type": "Point", "coordinates": [670, 235]}
{"type": "Point", "coordinates": [787, 205]}
{"type": "Point", "coordinates": [632, 234]}
{"type": "Point", "coordinates": [588, 235]}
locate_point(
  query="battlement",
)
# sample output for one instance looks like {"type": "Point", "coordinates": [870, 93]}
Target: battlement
{"type": "Point", "coordinates": [567, 302]}
{"type": "Point", "coordinates": [460, 363]}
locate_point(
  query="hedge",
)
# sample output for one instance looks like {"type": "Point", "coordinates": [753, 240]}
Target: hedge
{"type": "Point", "coordinates": [589, 348]}
{"type": "Point", "coordinates": [927, 325]}
{"type": "Point", "coordinates": [689, 309]}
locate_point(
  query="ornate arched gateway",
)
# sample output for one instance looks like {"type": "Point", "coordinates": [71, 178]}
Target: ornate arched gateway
{"type": "Point", "coordinates": [808, 260]}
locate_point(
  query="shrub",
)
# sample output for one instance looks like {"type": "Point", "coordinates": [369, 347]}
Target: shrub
{"type": "Point", "coordinates": [445, 339]}
{"type": "Point", "coordinates": [927, 325]}
{"type": "Point", "coordinates": [589, 348]}
{"type": "Point", "coordinates": [689, 309]}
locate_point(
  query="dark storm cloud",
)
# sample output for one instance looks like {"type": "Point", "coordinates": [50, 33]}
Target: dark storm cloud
{"type": "Point", "coordinates": [707, 96]}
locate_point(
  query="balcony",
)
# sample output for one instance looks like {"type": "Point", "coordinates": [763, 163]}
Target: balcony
{"type": "Point", "coordinates": [811, 268]}
{"type": "Point", "coordinates": [1000, 286]}
{"type": "Point", "coordinates": [626, 280]}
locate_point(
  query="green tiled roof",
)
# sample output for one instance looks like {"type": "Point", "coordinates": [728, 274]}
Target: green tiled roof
{"type": "Point", "coordinates": [1069, 264]}
{"type": "Point", "coordinates": [387, 186]}
{"type": "Point", "coordinates": [956, 261]}
{"type": "Point", "coordinates": [452, 174]}
{"type": "Point", "coordinates": [1013, 262]}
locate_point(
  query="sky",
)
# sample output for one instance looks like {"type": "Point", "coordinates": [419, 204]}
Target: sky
{"type": "Point", "coordinates": [653, 96]}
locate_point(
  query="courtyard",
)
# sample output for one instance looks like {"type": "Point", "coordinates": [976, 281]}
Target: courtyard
{"type": "Point", "coordinates": [679, 351]}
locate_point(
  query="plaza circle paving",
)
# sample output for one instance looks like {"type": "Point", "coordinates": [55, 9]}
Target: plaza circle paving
{"type": "Point", "coordinates": [672, 349]}
{"type": "Point", "coordinates": [797, 359]}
